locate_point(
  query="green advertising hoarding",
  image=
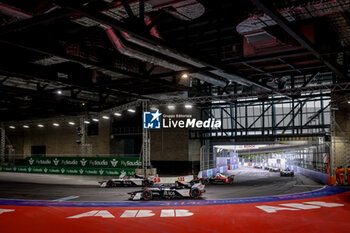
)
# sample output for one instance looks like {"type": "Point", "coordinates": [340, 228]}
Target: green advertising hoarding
{"type": "Point", "coordinates": [69, 170]}
{"type": "Point", "coordinates": [91, 162]}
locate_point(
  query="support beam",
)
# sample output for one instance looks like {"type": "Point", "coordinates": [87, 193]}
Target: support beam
{"type": "Point", "coordinates": [268, 9]}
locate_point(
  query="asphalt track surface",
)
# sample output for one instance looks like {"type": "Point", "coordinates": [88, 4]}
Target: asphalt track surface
{"type": "Point", "coordinates": [249, 182]}
{"type": "Point", "coordinates": [258, 201]}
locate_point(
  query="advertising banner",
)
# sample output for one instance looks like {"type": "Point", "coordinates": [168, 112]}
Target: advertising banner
{"type": "Point", "coordinates": [69, 170]}
{"type": "Point", "coordinates": [91, 162]}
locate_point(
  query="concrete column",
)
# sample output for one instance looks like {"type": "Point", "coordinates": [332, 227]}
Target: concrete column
{"type": "Point", "coordinates": [341, 137]}
{"type": "Point", "coordinates": [2, 144]}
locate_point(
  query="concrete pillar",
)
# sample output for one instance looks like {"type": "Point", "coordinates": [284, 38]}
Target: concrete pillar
{"type": "Point", "coordinates": [2, 144]}
{"type": "Point", "coordinates": [341, 128]}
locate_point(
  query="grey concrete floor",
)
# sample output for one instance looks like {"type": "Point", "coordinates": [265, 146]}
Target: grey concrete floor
{"type": "Point", "coordinates": [249, 182]}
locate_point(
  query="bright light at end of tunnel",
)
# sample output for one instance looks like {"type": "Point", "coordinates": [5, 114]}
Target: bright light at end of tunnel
{"type": "Point", "coordinates": [171, 107]}
{"type": "Point", "coordinates": [185, 75]}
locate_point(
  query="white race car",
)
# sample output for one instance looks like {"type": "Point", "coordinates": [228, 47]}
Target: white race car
{"type": "Point", "coordinates": [287, 172]}
{"type": "Point", "coordinates": [179, 190]}
{"type": "Point", "coordinates": [274, 169]}
{"type": "Point", "coordinates": [124, 181]}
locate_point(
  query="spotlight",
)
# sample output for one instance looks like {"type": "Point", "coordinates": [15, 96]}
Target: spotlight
{"type": "Point", "coordinates": [188, 105]}
{"type": "Point", "coordinates": [26, 126]}
{"type": "Point", "coordinates": [171, 107]}
{"type": "Point", "coordinates": [105, 117]}
{"type": "Point", "coordinates": [131, 110]}
{"type": "Point", "coordinates": [184, 75]}
{"type": "Point", "coordinates": [40, 126]}
{"type": "Point", "coordinates": [117, 114]}
{"type": "Point", "coordinates": [95, 119]}
{"type": "Point", "coordinates": [71, 123]}
{"type": "Point", "coordinates": [12, 127]}
{"type": "Point", "coordinates": [56, 124]}
{"type": "Point", "coordinates": [349, 102]}
{"type": "Point", "coordinates": [59, 92]}
{"type": "Point", "coordinates": [87, 122]}
{"type": "Point", "coordinates": [82, 104]}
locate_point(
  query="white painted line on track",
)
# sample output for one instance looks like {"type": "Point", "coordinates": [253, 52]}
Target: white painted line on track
{"type": "Point", "coordinates": [66, 198]}
{"type": "Point", "coordinates": [309, 185]}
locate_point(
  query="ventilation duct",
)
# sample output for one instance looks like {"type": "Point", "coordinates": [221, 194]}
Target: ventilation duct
{"type": "Point", "coordinates": [130, 52]}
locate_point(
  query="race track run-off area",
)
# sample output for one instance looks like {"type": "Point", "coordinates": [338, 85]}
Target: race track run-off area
{"type": "Point", "coordinates": [325, 210]}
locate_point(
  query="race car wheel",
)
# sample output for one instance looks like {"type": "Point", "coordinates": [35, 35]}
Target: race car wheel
{"type": "Point", "coordinates": [109, 184]}
{"type": "Point", "coordinates": [147, 195]}
{"type": "Point", "coordinates": [195, 193]}
{"type": "Point", "coordinates": [205, 181]}
{"type": "Point", "coordinates": [230, 180]}
{"type": "Point", "coordinates": [146, 183]}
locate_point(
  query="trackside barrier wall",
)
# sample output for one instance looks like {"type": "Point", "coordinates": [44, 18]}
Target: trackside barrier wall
{"type": "Point", "coordinates": [320, 177]}
{"type": "Point", "coordinates": [170, 180]}
{"type": "Point", "coordinates": [103, 166]}
{"type": "Point", "coordinates": [232, 163]}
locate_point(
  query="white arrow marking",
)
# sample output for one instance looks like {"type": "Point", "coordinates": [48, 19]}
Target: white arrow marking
{"type": "Point", "coordinates": [144, 213]}
{"type": "Point", "coordinates": [183, 213]}
{"type": "Point", "coordinates": [129, 214]}
{"type": "Point", "coordinates": [301, 206]}
{"type": "Point", "coordinates": [5, 211]}
{"type": "Point", "coordinates": [167, 213]}
{"type": "Point", "coordinates": [324, 204]}
{"type": "Point", "coordinates": [273, 209]}
{"type": "Point", "coordinates": [94, 213]}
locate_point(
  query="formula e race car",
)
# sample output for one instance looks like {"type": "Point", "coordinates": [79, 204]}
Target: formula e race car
{"type": "Point", "coordinates": [179, 190]}
{"type": "Point", "coordinates": [274, 169]}
{"type": "Point", "coordinates": [258, 166]}
{"type": "Point", "coordinates": [124, 181]}
{"type": "Point", "coordinates": [221, 179]}
{"type": "Point", "coordinates": [287, 172]}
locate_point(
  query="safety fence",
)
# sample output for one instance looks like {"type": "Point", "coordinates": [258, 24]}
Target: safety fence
{"type": "Point", "coordinates": [77, 166]}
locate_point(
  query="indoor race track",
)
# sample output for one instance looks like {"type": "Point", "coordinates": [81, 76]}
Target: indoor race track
{"type": "Point", "coordinates": [259, 201]}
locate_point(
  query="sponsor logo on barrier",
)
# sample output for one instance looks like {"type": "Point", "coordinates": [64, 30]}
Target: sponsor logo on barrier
{"type": "Point", "coordinates": [56, 161]}
{"type": "Point", "coordinates": [45, 169]}
{"type": "Point", "coordinates": [101, 172]}
{"type": "Point", "coordinates": [69, 162]}
{"type": "Point", "coordinates": [83, 162]}
{"type": "Point", "coordinates": [81, 171]}
{"type": "Point", "coordinates": [98, 163]}
{"type": "Point", "coordinates": [130, 163]}
{"type": "Point", "coordinates": [31, 161]}
{"type": "Point", "coordinates": [114, 162]}
{"type": "Point", "coordinates": [164, 213]}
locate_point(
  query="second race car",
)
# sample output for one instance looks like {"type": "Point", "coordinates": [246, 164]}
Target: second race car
{"type": "Point", "coordinates": [124, 181]}
{"type": "Point", "coordinates": [287, 172]}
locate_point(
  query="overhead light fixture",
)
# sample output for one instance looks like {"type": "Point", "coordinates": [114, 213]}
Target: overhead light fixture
{"type": "Point", "coordinates": [12, 127]}
{"type": "Point", "coordinates": [105, 117]}
{"type": "Point", "coordinates": [184, 75]}
{"type": "Point", "coordinates": [71, 123]}
{"type": "Point", "coordinates": [87, 122]}
{"type": "Point", "coordinates": [26, 126]}
{"type": "Point", "coordinates": [56, 124]}
{"type": "Point", "coordinates": [171, 107]}
{"type": "Point", "coordinates": [82, 104]}
{"type": "Point", "coordinates": [154, 108]}
{"type": "Point", "coordinates": [188, 105]}
{"type": "Point", "coordinates": [40, 126]}
{"type": "Point", "coordinates": [117, 114]}
{"type": "Point", "coordinates": [131, 110]}
{"type": "Point", "coordinates": [59, 92]}
{"type": "Point", "coordinates": [95, 119]}
{"type": "Point", "coordinates": [349, 102]}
